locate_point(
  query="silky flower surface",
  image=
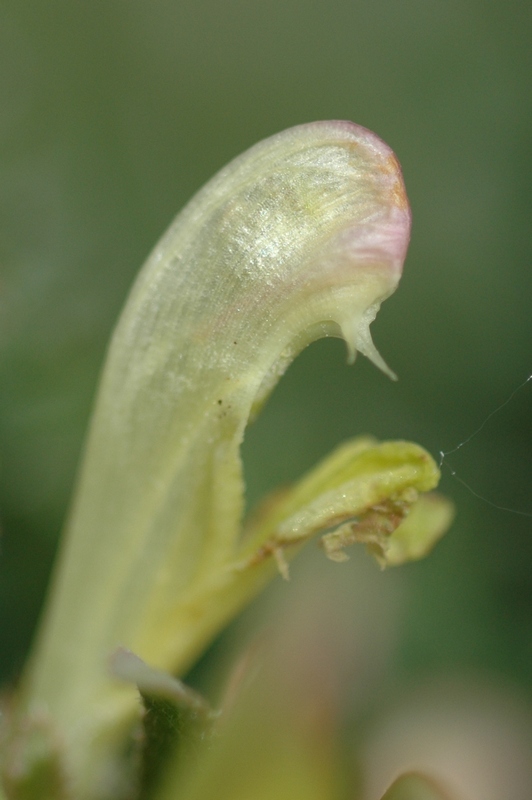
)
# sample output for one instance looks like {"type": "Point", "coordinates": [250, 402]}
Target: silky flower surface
{"type": "Point", "coordinates": [303, 236]}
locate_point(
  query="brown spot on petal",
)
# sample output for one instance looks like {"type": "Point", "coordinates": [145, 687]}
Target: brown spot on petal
{"type": "Point", "coordinates": [392, 168]}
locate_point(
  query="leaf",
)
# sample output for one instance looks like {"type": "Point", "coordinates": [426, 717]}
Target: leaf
{"type": "Point", "coordinates": [273, 743]}
{"type": "Point", "coordinates": [175, 720]}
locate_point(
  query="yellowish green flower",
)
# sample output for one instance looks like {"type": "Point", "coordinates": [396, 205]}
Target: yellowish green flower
{"type": "Point", "coordinates": [301, 237]}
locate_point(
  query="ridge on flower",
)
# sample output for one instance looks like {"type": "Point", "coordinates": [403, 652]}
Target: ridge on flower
{"type": "Point", "coordinates": [303, 236]}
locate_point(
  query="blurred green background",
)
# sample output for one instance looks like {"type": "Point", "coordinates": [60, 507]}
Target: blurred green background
{"type": "Point", "coordinates": [112, 113]}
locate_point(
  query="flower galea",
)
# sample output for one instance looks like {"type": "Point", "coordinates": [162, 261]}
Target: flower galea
{"type": "Point", "coordinates": [301, 237]}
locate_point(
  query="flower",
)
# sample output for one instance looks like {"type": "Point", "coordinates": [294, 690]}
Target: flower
{"type": "Point", "coordinates": [301, 237]}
